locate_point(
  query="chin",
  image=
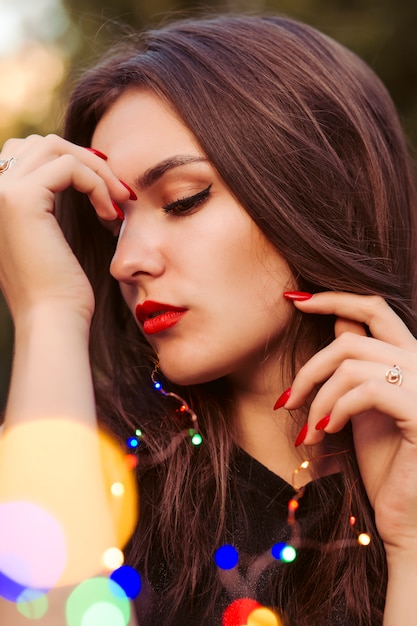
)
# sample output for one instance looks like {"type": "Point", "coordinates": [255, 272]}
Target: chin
{"type": "Point", "coordinates": [186, 378]}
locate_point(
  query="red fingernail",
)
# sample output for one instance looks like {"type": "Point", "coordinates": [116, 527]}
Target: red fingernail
{"type": "Point", "coordinates": [321, 425]}
{"type": "Point", "coordinates": [98, 153]}
{"type": "Point", "coordinates": [133, 196]}
{"type": "Point", "coordinates": [301, 436]}
{"type": "Point", "coordinates": [282, 400]}
{"type": "Point", "coordinates": [297, 296]}
{"type": "Point", "coordinates": [119, 211]}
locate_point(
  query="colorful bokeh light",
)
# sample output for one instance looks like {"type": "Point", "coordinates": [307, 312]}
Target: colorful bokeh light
{"type": "Point", "coordinates": [226, 557]}
{"type": "Point", "coordinates": [124, 507]}
{"type": "Point", "coordinates": [103, 614]}
{"type": "Point", "coordinates": [32, 605]}
{"type": "Point", "coordinates": [72, 499]}
{"type": "Point", "coordinates": [128, 580]}
{"type": "Point", "coordinates": [238, 611]}
{"type": "Point", "coordinates": [113, 558]}
{"type": "Point", "coordinates": [284, 552]}
{"type": "Point", "coordinates": [98, 601]}
{"type": "Point", "coordinates": [263, 617]}
{"type": "Point", "coordinates": [364, 539]}
{"type": "Point", "coordinates": [28, 533]}
{"type": "Point", "coordinates": [197, 439]}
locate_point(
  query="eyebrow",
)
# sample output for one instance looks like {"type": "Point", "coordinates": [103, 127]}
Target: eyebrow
{"type": "Point", "coordinates": [155, 173]}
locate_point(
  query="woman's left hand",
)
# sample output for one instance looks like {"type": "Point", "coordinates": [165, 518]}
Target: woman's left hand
{"type": "Point", "coordinates": [353, 371]}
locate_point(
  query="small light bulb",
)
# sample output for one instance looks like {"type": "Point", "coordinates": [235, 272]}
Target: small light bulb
{"type": "Point", "coordinates": [131, 461]}
{"type": "Point", "coordinates": [364, 539]}
{"type": "Point", "coordinates": [196, 439]}
{"type": "Point", "coordinates": [288, 554]}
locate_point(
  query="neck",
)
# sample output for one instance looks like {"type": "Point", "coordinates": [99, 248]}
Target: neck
{"type": "Point", "coordinates": [265, 434]}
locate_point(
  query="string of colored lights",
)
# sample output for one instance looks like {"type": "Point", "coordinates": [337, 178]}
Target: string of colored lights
{"type": "Point", "coordinates": [194, 432]}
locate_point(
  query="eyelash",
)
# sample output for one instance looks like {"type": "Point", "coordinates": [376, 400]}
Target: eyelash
{"type": "Point", "coordinates": [183, 206]}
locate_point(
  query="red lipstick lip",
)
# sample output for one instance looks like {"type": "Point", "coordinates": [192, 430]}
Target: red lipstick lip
{"type": "Point", "coordinates": [157, 316]}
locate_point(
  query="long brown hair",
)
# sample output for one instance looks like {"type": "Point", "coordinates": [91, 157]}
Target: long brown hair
{"type": "Point", "coordinates": [307, 139]}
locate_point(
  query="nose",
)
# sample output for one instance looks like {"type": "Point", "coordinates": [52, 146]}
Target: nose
{"type": "Point", "coordinates": [138, 253]}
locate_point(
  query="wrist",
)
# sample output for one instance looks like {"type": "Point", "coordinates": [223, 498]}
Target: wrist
{"type": "Point", "coordinates": [52, 315]}
{"type": "Point", "coordinates": [51, 374]}
{"type": "Point", "coordinates": [402, 558]}
{"type": "Point", "coordinates": [400, 605]}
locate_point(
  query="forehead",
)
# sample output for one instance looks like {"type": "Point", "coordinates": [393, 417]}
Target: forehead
{"type": "Point", "coordinates": [141, 120]}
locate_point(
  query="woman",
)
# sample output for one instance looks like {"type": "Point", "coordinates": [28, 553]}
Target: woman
{"type": "Point", "coordinates": [261, 163]}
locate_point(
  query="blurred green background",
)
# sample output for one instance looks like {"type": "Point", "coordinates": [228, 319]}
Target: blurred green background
{"type": "Point", "coordinates": [45, 44]}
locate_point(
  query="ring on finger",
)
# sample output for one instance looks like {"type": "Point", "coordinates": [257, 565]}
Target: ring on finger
{"type": "Point", "coordinates": [6, 164]}
{"type": "Point", "coordinates": [394, 375]}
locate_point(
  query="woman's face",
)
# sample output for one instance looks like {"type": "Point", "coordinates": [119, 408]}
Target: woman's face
{"type": "Point", "coordinates": [203, 283]}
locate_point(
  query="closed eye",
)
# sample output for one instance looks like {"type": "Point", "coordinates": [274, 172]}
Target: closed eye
{"type": "Point", "coordinates": [188, 204]}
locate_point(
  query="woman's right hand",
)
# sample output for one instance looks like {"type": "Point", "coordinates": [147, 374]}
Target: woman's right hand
{"type": "Point", "coordinates": [37, 265]}
{"type": "Point", "coordinates": [50, 416]}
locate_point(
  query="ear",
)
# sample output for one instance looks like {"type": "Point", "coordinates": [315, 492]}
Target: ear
{"type": "Point", "coordinates": [343, 325]}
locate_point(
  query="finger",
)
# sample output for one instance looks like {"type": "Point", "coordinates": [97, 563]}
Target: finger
{"type": "Point", "coordinates": [347, 346]}
{"type": "Point", "coordinates": [351, 374]}
{"type": "Point", "coordinates": [10, 147]}
{"type": "Point", "coordinates": [343, 325]}
{"type": "Point", "coordinates": [55, 176]}
{"type": "Point", "coordinates": [29, 153]}
{"type": "Point", "coordinates": [391, 401]}
{"type": "Point", "coordinates": [35, 151]}
{"type": "Point", "coordinates": [373, 311]}
{"type": "Point", "coordinates": [382, 420]}
{"type": "Point", "coordinates": [376, 413]}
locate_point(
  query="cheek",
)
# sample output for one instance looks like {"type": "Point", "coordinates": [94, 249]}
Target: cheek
{"type": "Point", "coordinates": [268, 276]}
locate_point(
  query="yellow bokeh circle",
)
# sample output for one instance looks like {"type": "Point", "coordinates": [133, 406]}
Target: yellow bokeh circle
{"type": "Point", "coordinates": [263, 617]}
